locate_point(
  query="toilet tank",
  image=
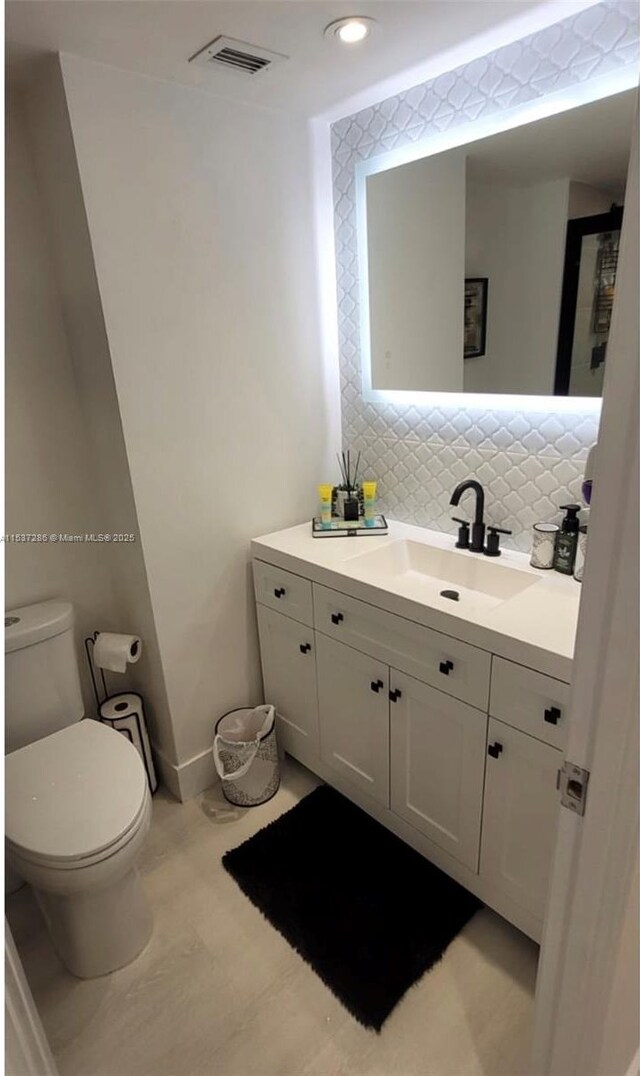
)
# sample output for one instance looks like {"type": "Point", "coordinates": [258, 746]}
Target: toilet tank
{"type": "Point", "coordinates": [42, 682]}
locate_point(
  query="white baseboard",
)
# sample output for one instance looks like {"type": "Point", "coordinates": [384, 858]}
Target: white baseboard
{"type": "Point", "coordinates": [186, 779]}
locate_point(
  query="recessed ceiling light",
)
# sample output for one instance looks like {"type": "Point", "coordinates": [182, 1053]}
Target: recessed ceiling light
{"type": "Point", "coordinates": [351, 30]}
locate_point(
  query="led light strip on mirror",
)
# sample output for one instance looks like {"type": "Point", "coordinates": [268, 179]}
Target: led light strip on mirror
{"type": "Point", "coordinates": [552, 104]}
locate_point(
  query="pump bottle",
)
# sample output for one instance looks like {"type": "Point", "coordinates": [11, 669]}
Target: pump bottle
{"type": "Point", "coordinates": [566, 545]}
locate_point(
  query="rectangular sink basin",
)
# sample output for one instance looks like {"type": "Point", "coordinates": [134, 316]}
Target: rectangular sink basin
{"type": "Point", "coordinates": [420, 571]}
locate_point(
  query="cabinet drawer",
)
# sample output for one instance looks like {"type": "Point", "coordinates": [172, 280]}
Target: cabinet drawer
{"type": "Point", "coordinates": [529, 701]}
{"type": "Point", "coordinates": [454, 667]}
{"type": "Point", "coordinates": [288, 593]}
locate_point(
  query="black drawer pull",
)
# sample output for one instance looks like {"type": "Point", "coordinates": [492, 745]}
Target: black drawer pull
{"type": "Point", "coordinates": [446, 667]}
{"type": "Point", "coordinates": [495, 749]}
{"type": "Point", "coordinates": [395, 695]}
{"type": "Point", "coordinates": [336, 617]}
{"type": "Point", "coordinates": [305, 648]}
{"type": "Point", "coordinates": [279, 592]}
{"type": "Point", "coordinates": [552, 715]}
{"type": "Point", "coordinates": [376, 685]}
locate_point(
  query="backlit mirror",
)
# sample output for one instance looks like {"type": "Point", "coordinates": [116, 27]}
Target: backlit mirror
{"type": "Point", "coordinates": [491, 267]}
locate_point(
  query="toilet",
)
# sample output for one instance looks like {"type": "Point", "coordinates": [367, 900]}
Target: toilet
{"type": "Point", "coordinates": [78, 806]}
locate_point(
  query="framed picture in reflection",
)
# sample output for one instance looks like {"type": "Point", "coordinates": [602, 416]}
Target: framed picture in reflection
{"type": "Point", "coordinates": [475, 316]}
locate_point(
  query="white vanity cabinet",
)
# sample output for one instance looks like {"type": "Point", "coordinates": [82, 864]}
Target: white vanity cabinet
{"type": "Point", "coordinates": [452, 746]}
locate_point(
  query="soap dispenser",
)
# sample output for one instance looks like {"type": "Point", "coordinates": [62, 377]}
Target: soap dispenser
{"type": "Point", "coordinates": [566, 545]}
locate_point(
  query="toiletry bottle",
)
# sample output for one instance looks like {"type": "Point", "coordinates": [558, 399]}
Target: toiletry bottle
{"type": "Point", "coordinates": [587, 481]}
{"type": "Point", "coordinates": [369, 496]}
{"type": "Point", "coordinates": [564, 556]}
{"type": "Point", "coordinates": [581, 553]}
{"type": "Point", "coordinates": [325, 493]}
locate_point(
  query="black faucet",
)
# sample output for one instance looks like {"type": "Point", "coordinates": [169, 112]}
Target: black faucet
{"type": "Point", "coordinates": [477, 530]}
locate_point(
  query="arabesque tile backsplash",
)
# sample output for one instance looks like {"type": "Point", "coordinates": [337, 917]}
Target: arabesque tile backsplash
{"type": "Point", "coordinates": [529, 462]}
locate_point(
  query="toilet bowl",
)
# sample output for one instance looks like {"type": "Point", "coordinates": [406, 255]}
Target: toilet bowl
{"type": "Point", "coordinates": [78, 810]}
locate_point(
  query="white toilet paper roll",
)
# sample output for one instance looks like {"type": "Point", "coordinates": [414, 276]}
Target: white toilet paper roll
{"type": "Point", "coordinates": [114, 652]}
{"type": "Point", "coordinates": [125, 714]}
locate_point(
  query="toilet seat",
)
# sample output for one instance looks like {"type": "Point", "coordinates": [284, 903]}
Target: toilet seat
{"type": "Point", "coordinates": [74, 798]}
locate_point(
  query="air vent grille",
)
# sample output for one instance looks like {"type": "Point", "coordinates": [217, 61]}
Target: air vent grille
{"type": "Point", "coordinates": [237, 57]}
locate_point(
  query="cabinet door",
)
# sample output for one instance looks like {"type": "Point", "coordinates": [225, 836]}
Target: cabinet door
{"type": "Point", "coordinates": [289, 672]}
{"type": "Point", "coordinates": [437, 765]}
{"type": "Point", "coordinates": [520, 815]}
{"type": "Point", "coordinates": [354, 716]}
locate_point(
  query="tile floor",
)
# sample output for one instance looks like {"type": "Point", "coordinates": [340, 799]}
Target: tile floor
{"type": "Point", "coordinates": [218, 992]}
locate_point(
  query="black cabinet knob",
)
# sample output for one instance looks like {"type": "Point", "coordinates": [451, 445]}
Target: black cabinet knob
{"type": "Point", "coordinates": [395, 695]}
{"type": "Point", "coordinates": [446, 667]}
{"type": "Point", "coordinates": [336, 618]}
{"type": "Point", "coordinates": [305, 648]}
{"type": "Point", "coordinates": [552, 715]}
{"type": "Point", "coordinates": [495, 749]}
{"type": "Point", "coordinates": [376, 685]}
{"type": "Point", "coordinates": [279, 592]}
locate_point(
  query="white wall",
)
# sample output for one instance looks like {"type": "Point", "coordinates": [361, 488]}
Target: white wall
{"type": "Point", "coordinates": [201, 224]}
{"type": "Point", "coordinates": [516, 237]}
{"type": "Point", "coordinates": [415, 248]}
{"type": "Point", "coordinates": [73, 414]}
{"type": "Point", "coordinates": [586, 201]}
{"type": "Point", "coordinates": [49, 482]}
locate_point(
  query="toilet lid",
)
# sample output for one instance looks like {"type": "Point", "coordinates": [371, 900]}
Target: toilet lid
{"type": "Point", "coordinates": [73, 793]}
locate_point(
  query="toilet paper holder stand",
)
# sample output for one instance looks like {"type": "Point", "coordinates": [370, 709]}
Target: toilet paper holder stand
{"type": "Point", "coordinates": [89, 644]}
{"type": "Point", "coordinates": [132, 725]}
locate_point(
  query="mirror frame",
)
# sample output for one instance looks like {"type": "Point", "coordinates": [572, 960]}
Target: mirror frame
{"type": "Point", "coordinates": [550, 105]}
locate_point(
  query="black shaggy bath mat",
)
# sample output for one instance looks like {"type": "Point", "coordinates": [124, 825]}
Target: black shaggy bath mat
{"type": "Point", "coordinates": [368, 913]}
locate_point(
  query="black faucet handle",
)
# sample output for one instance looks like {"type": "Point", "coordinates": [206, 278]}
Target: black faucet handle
{"type": "Point", "coordinates": [463, 533]}
{"type": "Point", "coordinates": [493, 540]}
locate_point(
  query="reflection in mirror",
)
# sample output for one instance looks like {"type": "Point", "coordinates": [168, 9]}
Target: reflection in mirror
{"type": "Point", "coordinates": [590, 268]}
{"type": "Point", "coordinates": [490, 268]}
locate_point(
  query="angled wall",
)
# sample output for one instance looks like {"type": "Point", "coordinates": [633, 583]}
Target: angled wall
{"type": "Point", "coordinates": [199, 219]}
{"type": "Point", "coordinates": [108, 497]}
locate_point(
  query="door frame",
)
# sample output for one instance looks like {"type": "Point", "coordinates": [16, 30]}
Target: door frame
{"type": "Point", "coordinates": [592, 883]}
{"type": "Point", "coordinates": [577, 229]}
{"type": "Point", "coordinates": [27, 1049]}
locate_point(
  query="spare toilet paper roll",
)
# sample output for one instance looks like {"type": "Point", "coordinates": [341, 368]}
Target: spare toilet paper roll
{"type": "Point", "coordinates": [125, 714]}
{"type": "Point", "coordinates": [114, 652]}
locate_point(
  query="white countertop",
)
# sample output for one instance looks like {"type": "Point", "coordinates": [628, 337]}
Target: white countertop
{"type": "Point", "coordinates": [535, 627]}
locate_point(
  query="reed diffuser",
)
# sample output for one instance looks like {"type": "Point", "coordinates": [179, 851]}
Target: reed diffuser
{"type": "Point", "coordinates": [347, 494]}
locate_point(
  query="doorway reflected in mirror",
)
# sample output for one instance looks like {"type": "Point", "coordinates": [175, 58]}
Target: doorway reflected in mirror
{"type": "Point", "coordinates": [475, 316]}
{"type": "Point", "coordinates": [588, 289]}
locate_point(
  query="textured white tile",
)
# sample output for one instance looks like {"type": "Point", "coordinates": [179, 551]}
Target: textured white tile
{"type": "Point", "coordinates": [535, 459]}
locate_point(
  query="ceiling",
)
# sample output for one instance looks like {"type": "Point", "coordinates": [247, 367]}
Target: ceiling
{"type": "Point", "coordinates": [590, 144]}
{"type": "Point", "coordinates": [157, 37]}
